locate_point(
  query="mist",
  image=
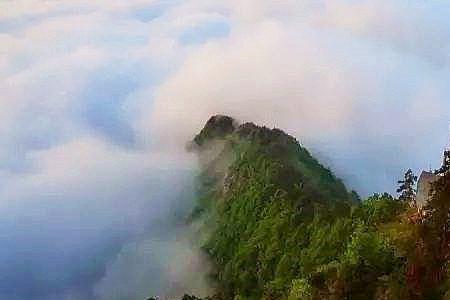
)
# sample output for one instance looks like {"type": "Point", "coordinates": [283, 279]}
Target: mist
{"type": "Point", "coordinates": [66, 229]}
{"type": "Point", "coordinates": [98, 99]}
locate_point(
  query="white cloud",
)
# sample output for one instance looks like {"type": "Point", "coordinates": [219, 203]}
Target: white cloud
{"type": "Point", "coordinates": [82, 202]}
{"type": "Point", "coordinates": [340, 87]}
{"type": "Point", "coordinates": [167, 267]}
{"type": "Point", "coordinates": [97, 99]}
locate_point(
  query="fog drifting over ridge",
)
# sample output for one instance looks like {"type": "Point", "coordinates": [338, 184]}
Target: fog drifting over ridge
{"type": "Point", "coordinates": [97, 99]}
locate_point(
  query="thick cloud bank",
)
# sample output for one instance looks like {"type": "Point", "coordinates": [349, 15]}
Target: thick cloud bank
{"type": "Point", "coordinates": [97, 99]}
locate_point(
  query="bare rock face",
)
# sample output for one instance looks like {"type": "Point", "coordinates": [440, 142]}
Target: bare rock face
{"type": "Point", "coordinates": [218, 126]}
{"type": "Point", "coordinates": [424, 185]}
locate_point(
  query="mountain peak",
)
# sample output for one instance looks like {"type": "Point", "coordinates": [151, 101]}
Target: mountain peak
{"type": "Point", "coordinates": [218, 126]}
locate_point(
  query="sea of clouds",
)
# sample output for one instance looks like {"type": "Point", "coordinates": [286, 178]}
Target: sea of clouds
{"type": "Point", "coordinates": [99, 97]}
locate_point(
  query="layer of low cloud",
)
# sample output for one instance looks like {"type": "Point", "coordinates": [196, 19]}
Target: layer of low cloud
{"type": "Point", "coordinates": [63, 224]}
{"type": "Point", "coordinates": [97, 99]}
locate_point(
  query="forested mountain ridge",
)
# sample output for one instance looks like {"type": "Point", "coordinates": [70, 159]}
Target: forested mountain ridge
{"type": "Point", "coordinates": [279, 225]}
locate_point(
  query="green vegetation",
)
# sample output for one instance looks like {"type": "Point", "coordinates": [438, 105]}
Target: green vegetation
{"type": "Point", "coordinates": [279, 225]}
{"type": "Point", "coordinates": [406, 188]}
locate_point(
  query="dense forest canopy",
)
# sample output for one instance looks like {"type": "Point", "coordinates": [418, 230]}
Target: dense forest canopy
{"type": "Point", "coordinates": [279, 225]}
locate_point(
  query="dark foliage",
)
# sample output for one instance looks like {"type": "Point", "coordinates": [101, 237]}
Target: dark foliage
{"type": "Point", "coordinates": [406, 188]}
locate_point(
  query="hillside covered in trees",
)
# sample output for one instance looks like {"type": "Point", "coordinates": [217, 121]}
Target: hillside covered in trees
{"type": "Point", "coordinates": [278, 225]}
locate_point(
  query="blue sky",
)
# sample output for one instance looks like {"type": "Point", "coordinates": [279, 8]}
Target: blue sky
{"type": "Point", "coordinates": [97, 100]}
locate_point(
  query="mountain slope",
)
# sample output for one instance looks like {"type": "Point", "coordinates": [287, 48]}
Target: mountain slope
{"type": "Point", "coordinates": [276, 224]}
{"type": "Point", "coordinates": [273, 218]}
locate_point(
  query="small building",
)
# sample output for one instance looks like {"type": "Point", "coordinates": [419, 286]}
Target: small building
{"type": "Point", "coordinates": [424, 186]}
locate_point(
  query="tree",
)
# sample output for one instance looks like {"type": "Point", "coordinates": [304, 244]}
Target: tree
{"type": "Point", "coordinates": [438, 218]}
{"type": "Point", "coordinates": [428, 265]}
{"type": "Point", "coordinates": [380, 208]}
{"type": "Point", "coordinates": [445, 168]}
{"type": "Point", "coordinates": [406, 189]}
